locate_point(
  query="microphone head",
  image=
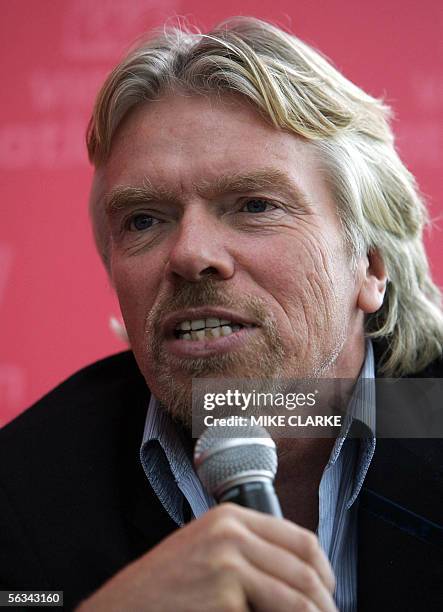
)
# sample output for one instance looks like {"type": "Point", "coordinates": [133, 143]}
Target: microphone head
{"type": "Point", "coordinates": [228, 456]}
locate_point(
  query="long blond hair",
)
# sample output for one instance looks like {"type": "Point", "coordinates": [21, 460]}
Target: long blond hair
{"type": "Point", "coordinates": [298, 90]}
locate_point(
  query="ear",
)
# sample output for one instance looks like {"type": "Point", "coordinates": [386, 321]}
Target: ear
{"type": "Point", "coordinates": [374, 281]}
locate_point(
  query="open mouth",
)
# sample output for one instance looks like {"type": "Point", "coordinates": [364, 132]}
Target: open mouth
{"type": "Point", "coordinates": [207, 329]}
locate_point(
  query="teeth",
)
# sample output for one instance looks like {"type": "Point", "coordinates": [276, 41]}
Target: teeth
{"type": "Point", "coordinates": [214, 332]}
{"type": "Point", "coordinates": [209, 328]}
{"type": "Point", "coordinates": [199, 324]}
{"type": "Point", "coordinates": [198, 334]}
{"type": "Point", "coordinates": [212, 322]}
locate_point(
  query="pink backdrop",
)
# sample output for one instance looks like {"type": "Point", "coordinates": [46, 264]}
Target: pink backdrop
{"type": "Point", "coordinates": [55, 301]}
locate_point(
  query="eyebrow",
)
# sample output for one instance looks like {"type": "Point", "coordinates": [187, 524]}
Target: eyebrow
{"type": "Point", "coordinates": [119, 197]}
{"type": "Point", "coordinates": [265, 179]}
{"type": "Point", "coordinates": [268, 178]}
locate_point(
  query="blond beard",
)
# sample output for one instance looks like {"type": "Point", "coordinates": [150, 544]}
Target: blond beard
{"type": "Point", "coordinates": [173, 375]}
{"type": "Point", "coordinates": [263, 358]}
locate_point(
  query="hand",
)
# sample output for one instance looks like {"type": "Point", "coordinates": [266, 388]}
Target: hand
{"type": "Point", "coordinates": [232, 559]}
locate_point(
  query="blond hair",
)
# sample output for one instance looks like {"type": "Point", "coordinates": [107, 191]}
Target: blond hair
{"type": "Point", "coordinates": [298, 90]}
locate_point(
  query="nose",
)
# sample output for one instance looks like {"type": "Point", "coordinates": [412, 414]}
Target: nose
{"type": "Point", "coordinates": [200, 248]}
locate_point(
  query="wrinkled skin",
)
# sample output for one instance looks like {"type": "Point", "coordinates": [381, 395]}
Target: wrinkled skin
{"type": "Point", "coordinates": [197, 242]}
{"type": "Point", "coordinates": [268, 249]}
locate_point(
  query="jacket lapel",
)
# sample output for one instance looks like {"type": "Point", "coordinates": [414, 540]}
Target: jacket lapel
{"type": "Point", "coordinates": [400, 540]}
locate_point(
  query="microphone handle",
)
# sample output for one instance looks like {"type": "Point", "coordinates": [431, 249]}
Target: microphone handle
{"type": "Point", "coordinates": [257, 495]}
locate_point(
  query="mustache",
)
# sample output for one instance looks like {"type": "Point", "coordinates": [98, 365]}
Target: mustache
{"type": "Point", "coordinates": [176, 392]}
{"type": "Point", "coordinates": [204, 293]}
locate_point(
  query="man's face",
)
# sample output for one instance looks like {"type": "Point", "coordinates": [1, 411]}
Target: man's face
{"type": "Point", "coordinates": [219, 220]}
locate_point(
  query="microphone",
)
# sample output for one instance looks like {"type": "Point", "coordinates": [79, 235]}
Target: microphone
{"type": "Point", "coordinates": [238, 464]}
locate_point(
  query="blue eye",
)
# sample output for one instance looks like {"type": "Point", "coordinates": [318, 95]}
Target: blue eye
{"type": "Point", "coordinates": [141, 222]}
{"type": "Point", "coordinates": [256, 206]}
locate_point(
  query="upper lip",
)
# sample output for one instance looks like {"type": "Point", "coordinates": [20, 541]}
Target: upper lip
{"type": "Point", "coordinates": [204, 312]}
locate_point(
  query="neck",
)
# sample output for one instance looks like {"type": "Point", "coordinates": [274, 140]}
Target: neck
{"type": "Point", "coordinates": [300, 468]}
{"type": "Point", "coordinates": [302, 460]}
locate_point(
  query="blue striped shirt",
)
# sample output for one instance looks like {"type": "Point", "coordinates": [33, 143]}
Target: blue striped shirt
{"type": "Point", "coordinates": [170, 472]}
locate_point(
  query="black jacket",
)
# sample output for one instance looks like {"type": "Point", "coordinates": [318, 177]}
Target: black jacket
{"type": "Point", "coordinates": [75, 505]}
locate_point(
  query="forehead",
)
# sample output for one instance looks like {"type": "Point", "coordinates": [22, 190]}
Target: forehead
{"type": "Point", "coordinates": [198, 132]}
{"type": "Point", "coordinates": [181, 141]}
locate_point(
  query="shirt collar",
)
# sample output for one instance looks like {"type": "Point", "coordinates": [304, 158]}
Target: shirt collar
{"type": "Point", "coordinates": [170, 449]}
{"type": "Point", "coordinates": [361, 417]}
{"type": "Point", "coordinates": [159, 426]}
{"type": "Point", "coordinates": [168, 467]}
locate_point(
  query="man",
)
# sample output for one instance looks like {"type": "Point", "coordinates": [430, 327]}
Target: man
{"type": "Point", "coordinates": [256, 222]}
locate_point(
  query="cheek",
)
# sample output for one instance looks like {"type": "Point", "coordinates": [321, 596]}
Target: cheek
{"type": "Point", "coordinates": [135, 289]}
{"type": "Point", "coordinates": [290, 263]}
{"type": "Point", "coordinates": [304, 275]}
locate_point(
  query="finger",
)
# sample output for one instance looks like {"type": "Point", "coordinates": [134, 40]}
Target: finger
{"type": "Point", "coordinates": [287, 567]}
{"type": "Point", "coordinates": [265, 593]}
{"type": "Point", "coordinates": [285, 534]}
